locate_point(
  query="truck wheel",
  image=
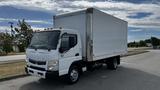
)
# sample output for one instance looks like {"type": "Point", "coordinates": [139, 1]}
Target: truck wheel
{"type": "Point", "coordinates": [73, 75]}
{"type": "Point", "coordinates": [112, 64]}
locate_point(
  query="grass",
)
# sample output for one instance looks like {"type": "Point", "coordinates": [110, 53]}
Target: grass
{"type": "Point", "coordinates": [134, 52]}
{"type": "Point", "coordinates": [11, 53]}
{"type": "Point", "coordinates": [12, 69]}
{"type": "Point", "coordinates": [15, 53]}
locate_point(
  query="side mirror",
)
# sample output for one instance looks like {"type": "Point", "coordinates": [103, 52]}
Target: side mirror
{"type": "Point", "coordinates": [61, 50]}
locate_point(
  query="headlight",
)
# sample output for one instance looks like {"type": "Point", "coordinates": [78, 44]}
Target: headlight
{"type": "Point", "coordinates": [53, 65]}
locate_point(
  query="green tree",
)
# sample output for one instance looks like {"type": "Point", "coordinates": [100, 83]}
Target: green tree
{"type": "Point", "coordinates": [155, 41]}
{"type": "Point", "coordinates": [142, 43]}
{"type": "Point", "coordinates": [6, 42]}
{"type": "Point", "coordinates": [133, 44]}
{"type": "Point", "coordinates": [148, 40]}
{"type": "Point", "coordinates": [24, 34]}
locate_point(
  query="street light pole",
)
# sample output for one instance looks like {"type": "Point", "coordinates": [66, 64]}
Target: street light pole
{"type": "Point", "coordinates": [12, 31]}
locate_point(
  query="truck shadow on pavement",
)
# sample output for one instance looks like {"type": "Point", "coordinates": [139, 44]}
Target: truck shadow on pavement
{"type": "Point", "coordinates": [123, 78]}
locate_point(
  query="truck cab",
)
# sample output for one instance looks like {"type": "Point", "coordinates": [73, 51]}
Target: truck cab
{"type": "Point", "coordinates": [53, 52]}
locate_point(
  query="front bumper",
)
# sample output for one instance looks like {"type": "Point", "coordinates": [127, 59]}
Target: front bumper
{"type": "Point", "coordinates": [41, 73]}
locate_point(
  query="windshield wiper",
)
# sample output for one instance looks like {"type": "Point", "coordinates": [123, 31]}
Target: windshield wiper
{"type": "Point", "coordinates": [32, 46]}
{"type": "Point", "coordinates": [40, 47]}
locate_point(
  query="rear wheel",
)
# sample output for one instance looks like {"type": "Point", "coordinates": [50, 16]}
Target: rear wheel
{"type": "Point", "coordinates": [73, 75]}
{"type": "Point", "coordinates": [112, 64]}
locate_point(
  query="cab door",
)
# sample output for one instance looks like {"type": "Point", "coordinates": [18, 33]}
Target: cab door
{"type": "Point", "coordinates": [69, 52]}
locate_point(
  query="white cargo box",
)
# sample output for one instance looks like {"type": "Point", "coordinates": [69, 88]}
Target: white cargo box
{"type": "Point", "coordinates": [102, 35]}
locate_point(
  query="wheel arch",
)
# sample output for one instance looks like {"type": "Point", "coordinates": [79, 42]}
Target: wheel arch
{"type": "Point", "coordinates": [79, 64]}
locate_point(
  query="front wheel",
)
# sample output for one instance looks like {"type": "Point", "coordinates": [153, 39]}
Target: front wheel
{"type": "Point", "coordinates": [73, 75]}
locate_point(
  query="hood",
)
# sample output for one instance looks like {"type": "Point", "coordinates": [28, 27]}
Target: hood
{"type": "Point", "coordinates": [41, 54]}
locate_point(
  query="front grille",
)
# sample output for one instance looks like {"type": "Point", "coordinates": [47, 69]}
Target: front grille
{"type": "Point", "coordinates": [37, 68]}
{"type": "Point", "coordinates": [37, 62]}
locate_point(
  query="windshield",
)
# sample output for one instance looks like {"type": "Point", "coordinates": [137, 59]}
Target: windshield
{"type": "Point", "coordinates": [45, 40]}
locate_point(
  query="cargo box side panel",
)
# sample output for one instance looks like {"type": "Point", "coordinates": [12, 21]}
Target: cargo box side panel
{"type": "Point", "coordinates": [74, 22]}
{"type": "Point", "coordinates": [109, 35]}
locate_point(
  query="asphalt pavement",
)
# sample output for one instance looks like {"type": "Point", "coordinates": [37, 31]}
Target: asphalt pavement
{"type": "Point", "coordinates": [137, 72]}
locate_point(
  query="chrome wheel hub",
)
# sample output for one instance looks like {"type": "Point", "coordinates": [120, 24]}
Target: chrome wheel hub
{"type": "Point", "coordinates": [74, 75]}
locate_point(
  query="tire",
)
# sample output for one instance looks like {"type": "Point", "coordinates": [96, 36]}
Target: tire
{"type": "Point", "coordinates": [73, 75]}
{"type": "Point", "coordinates": [112, 64]}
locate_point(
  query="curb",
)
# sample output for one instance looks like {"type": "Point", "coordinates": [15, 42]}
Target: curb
{"type": "Point", "coordinates": [13, 77]}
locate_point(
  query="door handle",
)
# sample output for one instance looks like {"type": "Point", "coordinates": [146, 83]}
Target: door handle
{"type": "Point", "coordinates": [77, 54]}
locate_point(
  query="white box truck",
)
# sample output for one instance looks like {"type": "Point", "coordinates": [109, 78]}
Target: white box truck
{"type": "Point", "coordinates": [80, 41]}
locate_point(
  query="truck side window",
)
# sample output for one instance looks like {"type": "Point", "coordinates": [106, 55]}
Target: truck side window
{"type": "Point", "coordinates": [67, 42]}
{"type": "Point", "coordinates": [72, 40]}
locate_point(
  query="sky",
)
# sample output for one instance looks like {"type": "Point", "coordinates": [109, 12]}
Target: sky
{"type": "Point", "coordinates": [143, 16]}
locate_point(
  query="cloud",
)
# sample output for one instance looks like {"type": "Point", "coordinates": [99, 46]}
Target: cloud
{"type": "Point", "coordinates": [5, 29]}
{"type": "Point", "coordinates": [7, 20]}
{"type": "Point", "coordinates": [39, 21]}
{"type": "Point", "coordinates": [118, 9]}
{"type": "Point", "coordinates": [136, 30]}
{"type": "Point", "coordinates": [8, 29]}
{"type": "Point", "coordinates": [140, 15]}
{"type": "Point", "coordinates": [37, 28]}
{"type": "Point", "coordinates": [29, 21]}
